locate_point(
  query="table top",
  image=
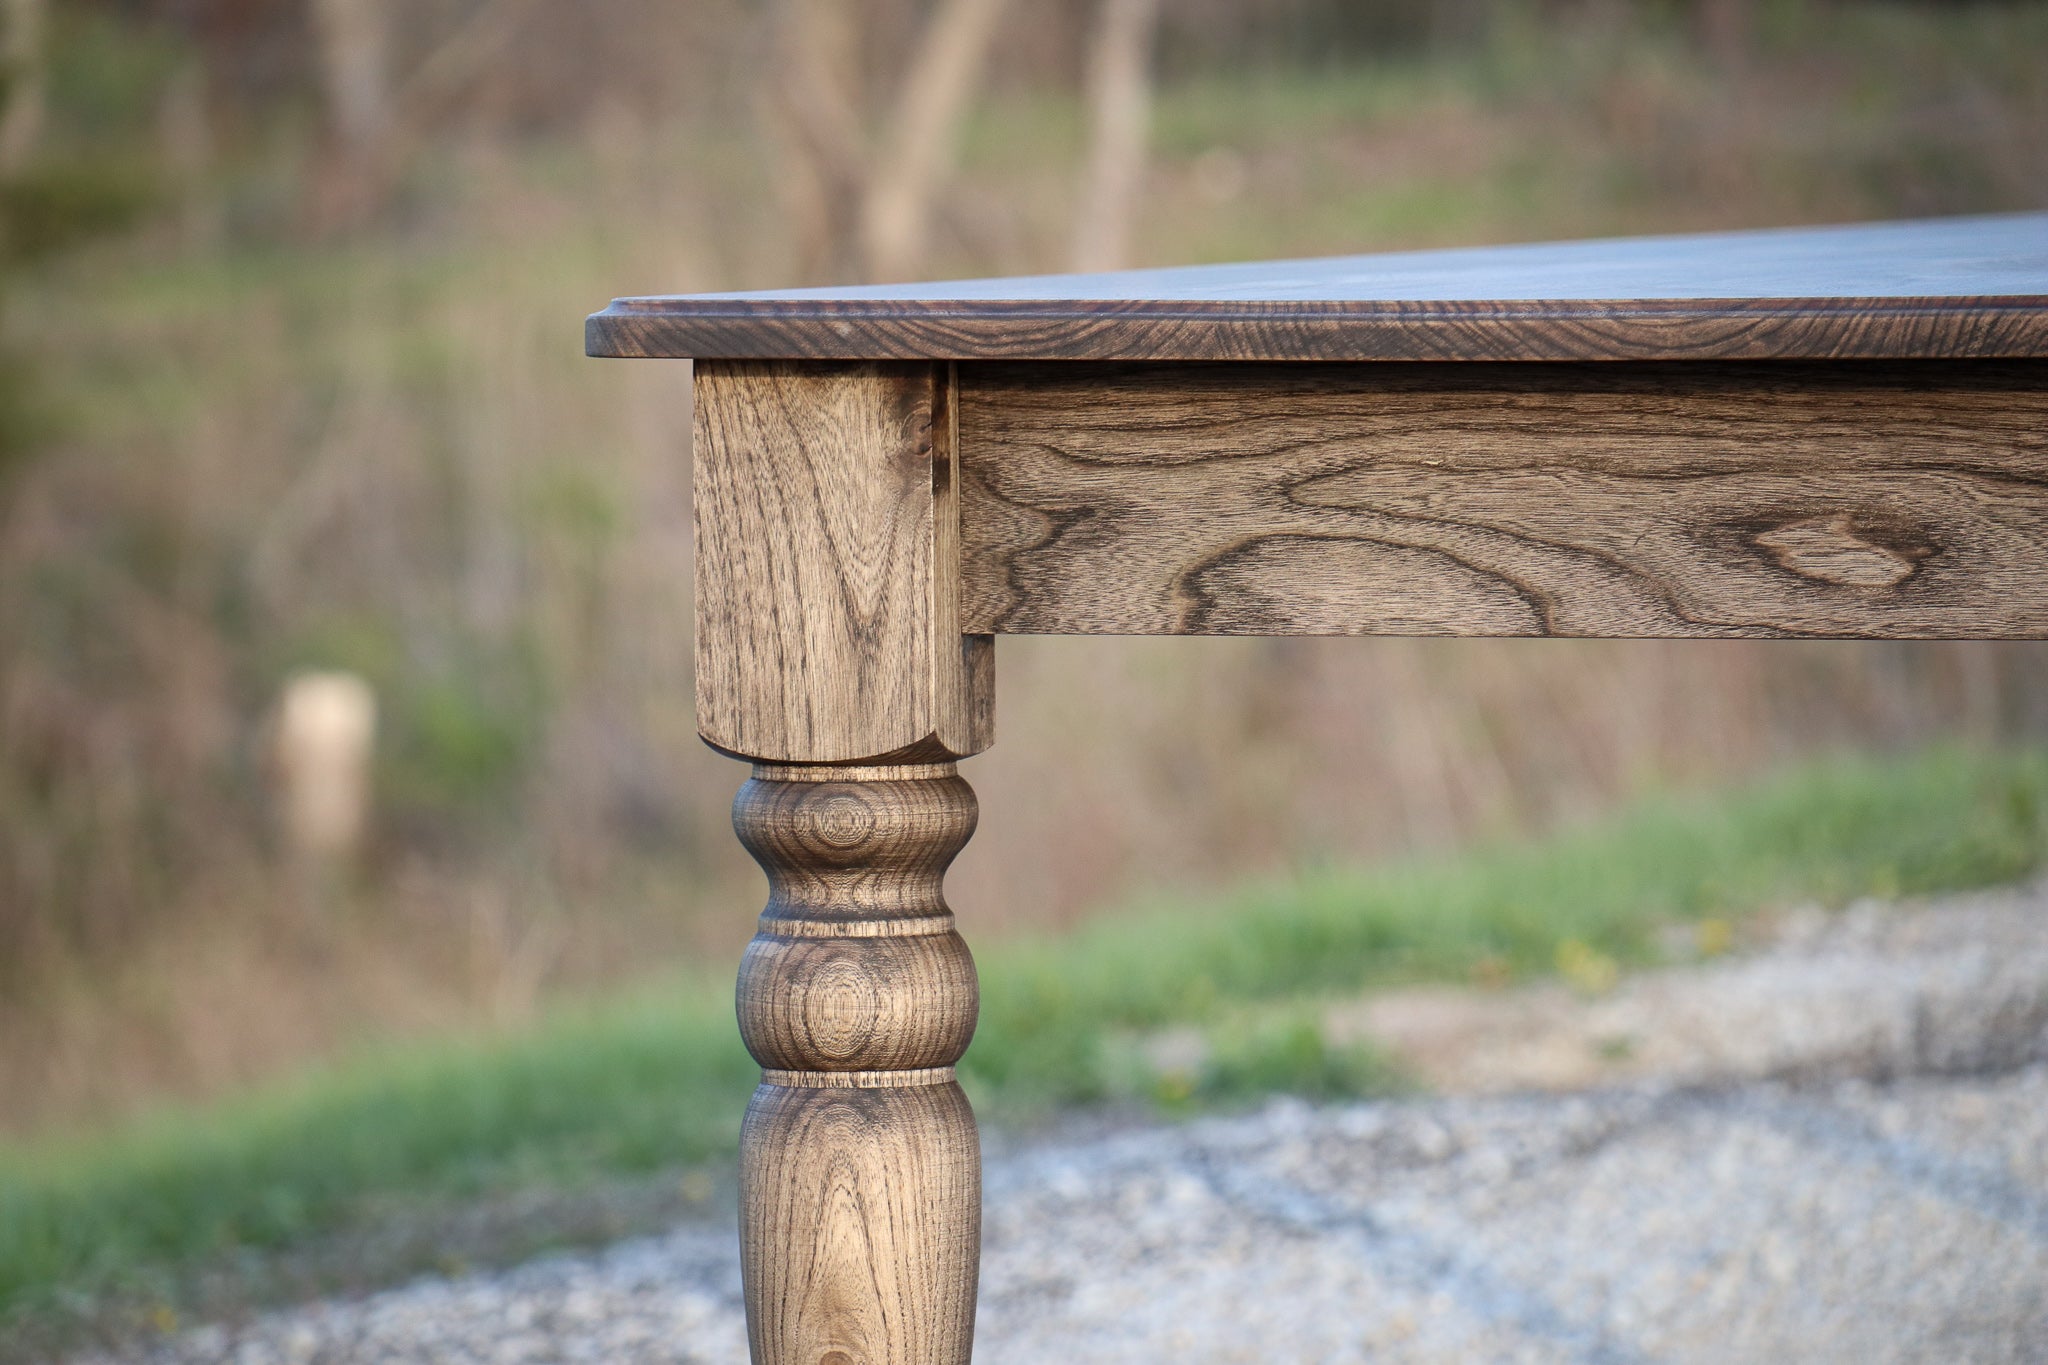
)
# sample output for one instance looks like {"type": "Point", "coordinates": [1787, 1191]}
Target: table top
{"type": "Point", "coordinates": [1942, 288]}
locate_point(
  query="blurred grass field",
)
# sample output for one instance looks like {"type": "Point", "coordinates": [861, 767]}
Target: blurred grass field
{"type": "Point", "coordinates": [118, 1221]}
{"type": "Point", "coordinates": [379, 451]}
{"type": "Point", "coordinates": [260, 447]}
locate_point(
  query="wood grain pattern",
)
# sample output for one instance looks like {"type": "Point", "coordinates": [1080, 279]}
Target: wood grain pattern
{"type": "Point", "coordinates": [827, 543]}
{"type": "Point", "coordinates": [860, 1168]}
{"type": "Point", "coordinates": [1902, 501]}
{"type": "Point", "coordinates": [1553, 329]}
{"type": "Point", "coordinates": [1953, 288]}
{"type": "Point", "coordinates": [867, 518]}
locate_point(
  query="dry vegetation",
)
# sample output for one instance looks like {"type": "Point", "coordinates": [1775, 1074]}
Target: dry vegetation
{"type": "Point", "coordinates": [326, 408]}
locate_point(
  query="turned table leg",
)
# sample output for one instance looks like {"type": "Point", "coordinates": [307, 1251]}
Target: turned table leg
{"type": "Point", "coordinates": [830, 655]}
{"type": "Point", "coordinates": [860, 1168]}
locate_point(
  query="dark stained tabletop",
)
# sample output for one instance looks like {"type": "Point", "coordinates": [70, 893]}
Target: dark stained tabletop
{"type": "Point", "coordinates": [1955, 287]}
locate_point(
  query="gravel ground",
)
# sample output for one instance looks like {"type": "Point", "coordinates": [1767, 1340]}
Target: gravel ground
{"type": "Point", "coordinates": [1877, 990]}
{"type": "Point", "coordinates": [1876, 1193]}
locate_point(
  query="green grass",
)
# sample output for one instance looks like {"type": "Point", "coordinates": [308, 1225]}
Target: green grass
{"type": "Point", "coordinates": [659, 1080]}
{"type": "Point", "coordinates": [1829, 833]}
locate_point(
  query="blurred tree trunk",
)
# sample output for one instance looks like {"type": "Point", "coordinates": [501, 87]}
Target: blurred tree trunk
{"type": "Point", "coordinates": [351, 50]}
{"type": "Point", "coordinates": [376, 124]}
{"type": "Point", "coordinates": [923, 134]}
{"type": "Point", "coordinates": [185, 138]}
{"type": "Point", "coordinates": [1120, 107]}
{"type": "Point", "coordinates": [815, 110]}
{"type": "Point", "coordinates": [861, 206]}
{"type": "Point", "coordinates": [353, 46]}
{"type": "Point", "coordinates": [21, 114]}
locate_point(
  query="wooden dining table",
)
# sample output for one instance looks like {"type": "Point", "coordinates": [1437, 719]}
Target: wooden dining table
{"type": "Point", "coordinates": [1825, 432]}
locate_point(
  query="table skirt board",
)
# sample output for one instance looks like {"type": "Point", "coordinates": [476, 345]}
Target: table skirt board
{"type": "Point", "coordinates": [1683, 499]}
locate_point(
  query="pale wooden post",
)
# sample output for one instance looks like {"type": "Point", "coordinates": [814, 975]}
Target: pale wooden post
{"type": "Point", "coordinates": [829, 654]}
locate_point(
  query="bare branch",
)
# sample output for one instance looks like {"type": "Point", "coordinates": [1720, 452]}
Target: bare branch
{"type": "Point", "coordinates": [354, 46]}
{"type": "Point", "coordinates": [814, 107]}
{"type": "Point", "coordinates": [21, 48]}
{"type": "Point", "coordinates": [923, 134]}
{"type": "Point", "coordinates": [1120, 107]}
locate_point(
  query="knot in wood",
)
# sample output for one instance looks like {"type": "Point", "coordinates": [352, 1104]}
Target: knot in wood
{"type": "Point", "coordinates": [1848, 550]}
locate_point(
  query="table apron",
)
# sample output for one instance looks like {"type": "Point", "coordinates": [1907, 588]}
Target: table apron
{"type": "Point", "coordinates": [1864, 499]}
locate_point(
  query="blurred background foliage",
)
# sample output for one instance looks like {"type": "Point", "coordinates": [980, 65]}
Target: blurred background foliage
{"type": "Point", "coordinates": [291, 379]}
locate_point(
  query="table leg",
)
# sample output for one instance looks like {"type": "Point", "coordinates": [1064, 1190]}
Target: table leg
{"type": "Point", "coordinates": [860, 1166]}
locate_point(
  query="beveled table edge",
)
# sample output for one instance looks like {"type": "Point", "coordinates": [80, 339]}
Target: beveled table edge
{"type": "Point", "coordinates": [1924, 328]}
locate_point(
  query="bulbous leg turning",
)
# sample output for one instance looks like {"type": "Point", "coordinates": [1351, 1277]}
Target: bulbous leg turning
{"type": "Point", "coordinates": [860, 1166]}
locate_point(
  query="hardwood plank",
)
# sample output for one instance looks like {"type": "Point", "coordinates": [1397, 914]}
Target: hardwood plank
{"type": "Point", "coordinates": [1946, 288]}
{"type": "Point", "coordinates": [827, 602]}
{"type": "Point", "coordinates": [1902, 501]}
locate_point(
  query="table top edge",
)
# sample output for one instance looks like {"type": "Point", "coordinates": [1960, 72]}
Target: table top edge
{"type": "Point", "coordinates": [1924, 327]}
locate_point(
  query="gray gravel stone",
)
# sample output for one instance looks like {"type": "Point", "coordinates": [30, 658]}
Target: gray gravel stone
{"type": "Point", "coordinates": [1873, 1210]}
{"type": "Point", "coordinates": [1879, 990]}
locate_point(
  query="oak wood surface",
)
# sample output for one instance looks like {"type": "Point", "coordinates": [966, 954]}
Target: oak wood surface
{"type": "Point", "coordinates": [1605, 500]}
{"type": "Point", "coordinates": [868, 514]}
{"type": "Point", "coordinates": [827, 542]}
{"type": "Point", "coordinates": [860, 1174]}
{"type": "Point", "coordinates": [1962, 287]}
